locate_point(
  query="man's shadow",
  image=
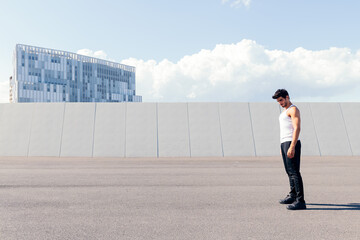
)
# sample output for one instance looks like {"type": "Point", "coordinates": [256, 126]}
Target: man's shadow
{"type": "Point", "coordinates": [349, 206]}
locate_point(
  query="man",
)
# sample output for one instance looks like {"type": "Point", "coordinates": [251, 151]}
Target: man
{"type": "Point", "coordinates": [291, 149]}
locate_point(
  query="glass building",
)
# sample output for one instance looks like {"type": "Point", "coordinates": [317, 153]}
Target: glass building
{"type": "Point", "coordinates": [48, 75]}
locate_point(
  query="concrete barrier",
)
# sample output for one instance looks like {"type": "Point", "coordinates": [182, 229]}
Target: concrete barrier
{"type": "Point", "coordinates": [330, 129]}
{"type": "Point", "coordinates": [265, 122]}
{"type": "Point", "coordinates": [46, 129]}
{"type": "Point", "coordinates": [236, 130]}
{"type": "Point", "coordinates": [309, 141]}
{"type": "Point", "coordinates": [141, 130]}
{"type": "Point", "coordinates": [172, 129]}
{"type": "Point", "coordinates": [78, 131]}
{"type": "Point", "coordinates": [109, 134]}
{"type": "Point", "coordinates": [205, 133]}
{"type": "Point", "coordinates": [351, 115]}
{"type": "Point", "coordinates": [15, 127]}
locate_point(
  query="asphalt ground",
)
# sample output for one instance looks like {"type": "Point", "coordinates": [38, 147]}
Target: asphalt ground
{"type": "Point", "coordinates": [175, 198]}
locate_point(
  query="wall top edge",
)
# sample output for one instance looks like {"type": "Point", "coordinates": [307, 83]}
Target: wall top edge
{"type": "Point", "coordinates": [173, 102]}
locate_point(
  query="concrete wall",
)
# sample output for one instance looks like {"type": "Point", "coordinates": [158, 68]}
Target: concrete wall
{"type": "Point", "coordinates": [141, 130]}
{"type": "Point", "coordinates": [109, 134]}
{"type": "Point", "coordinates": [265, 123]}
{"type": "Point", "coordinates": [351, 115]}
{"type": "Point", "coordinates": [78, 130]}
{"type": "Point", "coordinates": [330, 129]}
{"type": "Point", "coordinates": [205, 132]}
{"type": "Point", "coordinates": [46, 129]}
{"type": "Point", "coordinates": [172, 129]}
{"type": "Point", "coordinates": [308, 138]}
{"type": "Point", "coordinates": [15, 128]}
{"type": "Point", "coordinates": [236, 129]}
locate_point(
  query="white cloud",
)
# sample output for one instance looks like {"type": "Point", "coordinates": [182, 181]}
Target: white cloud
{"type": "Point", "coordinates": [237, 3]}
{"type": "Point", "coordinates": [97, 54]}
{"type": "Point", "coordinates": [246, 71]}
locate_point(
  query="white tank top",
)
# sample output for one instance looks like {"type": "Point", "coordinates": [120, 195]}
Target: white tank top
{"type": "Point", "coordinates": [286, 127]}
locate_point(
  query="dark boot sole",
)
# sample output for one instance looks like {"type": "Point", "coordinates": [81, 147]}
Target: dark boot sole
{"type": "Point", "coordinates": [296, 208]}
{"type": "Point", "coordinates": [286, 201]}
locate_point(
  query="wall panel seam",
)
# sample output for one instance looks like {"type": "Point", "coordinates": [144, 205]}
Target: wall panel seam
{"type": "Point", "coordinates": [157, 130]}
{"type": "Point", "coordinates": [31, 123]}
{"type": "Point", "coordinates": [252, 129]}
{"type": "Point", "coordinates": [188, 123]}
{"type": "Point", "coordinates": [221, 138]}
{"type": "Point", "coordinates": [346, 131]}
{"type": "Point", "coordinates": [317, 139]}
{"type": "Point", "coordinates": [125, 117]}
{"type": "Point", "coordinates": [93, 140]}
{"type": "Point", "coordinates": [62, 129]}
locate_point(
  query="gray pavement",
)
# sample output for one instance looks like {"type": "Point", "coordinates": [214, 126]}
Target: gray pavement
{"type": "Point", "coordinates": [174, 198]}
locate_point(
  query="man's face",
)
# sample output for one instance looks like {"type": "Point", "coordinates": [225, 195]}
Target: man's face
{"type": "Point", "coordinates": [283, 101]}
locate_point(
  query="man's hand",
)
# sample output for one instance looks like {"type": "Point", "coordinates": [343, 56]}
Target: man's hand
{"type": "Point", "coordinates": [291, 152]}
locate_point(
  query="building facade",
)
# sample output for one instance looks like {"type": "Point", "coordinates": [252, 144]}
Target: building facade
{"type": "Point", "coordinates": [48, 75]}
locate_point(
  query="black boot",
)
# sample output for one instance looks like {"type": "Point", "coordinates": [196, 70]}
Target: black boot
{"type": "Point", "coordinates": [287, 200]}
{"type": "Point", "coordinates": [297, 206]}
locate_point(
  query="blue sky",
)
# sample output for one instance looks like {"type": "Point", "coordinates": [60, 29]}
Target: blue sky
{"type": "Point", "coordinates": [159, 35]}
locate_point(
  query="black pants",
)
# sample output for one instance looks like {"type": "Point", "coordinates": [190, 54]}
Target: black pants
{"type": "Point", "coordinates": [292, 168]}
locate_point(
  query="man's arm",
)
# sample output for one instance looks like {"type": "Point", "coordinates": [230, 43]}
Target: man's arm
{"type": "Point", "coordinates": [294, 113]}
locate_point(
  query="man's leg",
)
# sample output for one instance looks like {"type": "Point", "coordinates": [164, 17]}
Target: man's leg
{"type": "Point", "coordinates": [290, 198]}
{"type": "Point", "coordinates": [284, 147]}
{"type": "Point", "coordinates": [294, 171]}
